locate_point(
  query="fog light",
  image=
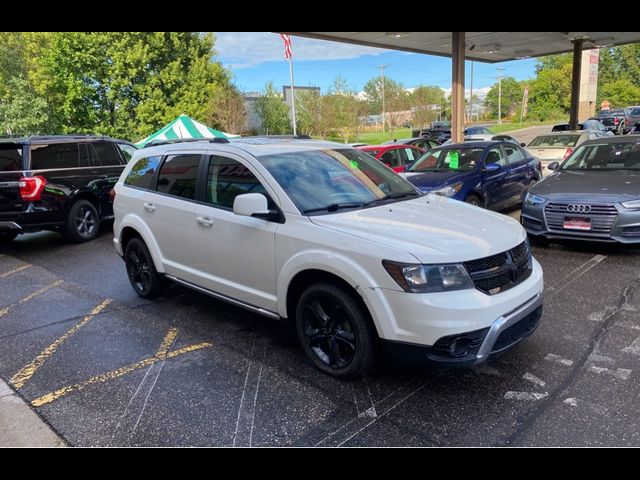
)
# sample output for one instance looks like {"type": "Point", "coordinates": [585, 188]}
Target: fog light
{"type": "Point", "coordinates": [460, 347]}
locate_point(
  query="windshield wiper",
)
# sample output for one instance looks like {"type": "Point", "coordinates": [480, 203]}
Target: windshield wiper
{"type": "Point", "coordinates": [393, 196]}
{"type": "Point", "coordinates": [334, 207]}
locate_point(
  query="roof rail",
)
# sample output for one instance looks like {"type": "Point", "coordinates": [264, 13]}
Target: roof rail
{"type": "Point", "coordinates": [284, 137]}
{"type": "Point", "coordinates": [155, 143]}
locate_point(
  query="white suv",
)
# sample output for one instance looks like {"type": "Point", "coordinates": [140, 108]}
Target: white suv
{"type": "Point", "coordinates": [330, 238]}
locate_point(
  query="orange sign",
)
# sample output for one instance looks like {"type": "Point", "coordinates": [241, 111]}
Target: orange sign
{"type": "Point", "coordinates": [605, 105]}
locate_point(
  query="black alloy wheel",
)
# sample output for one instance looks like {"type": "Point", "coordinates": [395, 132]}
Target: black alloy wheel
{"type": "Point", "coordinates": [141, 271]}
{"type": "Point", "coordinates": [334, 331]}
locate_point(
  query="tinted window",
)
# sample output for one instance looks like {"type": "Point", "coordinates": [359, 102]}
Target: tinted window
{"type": "Point", "coordinates": [635, 111]}
{"type": "Point", "coordinates": [558, 141]}
{"type": "Point", "coordinates": [460, 159]}
{"type": "Point", "coordinates": [607, 156]}
{"type": "Point", "coordinates": [142, 172]}
{"type": "Point", "coordinates": [178, 176]}
{"type": "Point", "coordinates": [514, 155]}
{"type": "Point", "coordinates": [391, 158]}
{"type": "Point", "coordinates": [10, 158]}
{"type": "Point", "coordinates": [61, 155]}
{"type": "Point", "coordinates": [495, 156]}
{"type": "Point", "coordinates": [126, 150]}
{"type": "Point", "coordinates": [228, 178]}
{"type": "Point", "coordinates": [102, 154]}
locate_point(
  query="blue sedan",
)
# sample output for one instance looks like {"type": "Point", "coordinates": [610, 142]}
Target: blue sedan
{"type": "Point", "coordinates": [493, 175]}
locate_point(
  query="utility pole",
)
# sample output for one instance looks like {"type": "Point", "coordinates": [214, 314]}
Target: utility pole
{"type": "Point", "coordinates": [500, 69]}
{"type": "Point", "coordinates": [471, 95]}
{"type": "Point", "coordinates": [382, 67]}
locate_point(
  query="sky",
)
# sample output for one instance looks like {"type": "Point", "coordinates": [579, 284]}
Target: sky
{"type": "Point", "coordinates": [254, 58]}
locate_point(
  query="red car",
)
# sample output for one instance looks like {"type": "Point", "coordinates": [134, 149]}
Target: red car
{"type": "Point", "coordinates": [395, 157]}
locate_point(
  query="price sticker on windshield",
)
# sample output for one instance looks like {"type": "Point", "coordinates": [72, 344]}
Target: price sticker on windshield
{"type": "Point", "coordinates": [353, 164]}
{"type": "Point", "coordinates": [453, 160]}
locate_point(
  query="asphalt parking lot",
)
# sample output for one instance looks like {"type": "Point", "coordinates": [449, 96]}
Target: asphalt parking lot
{"type": "Point", "coordinates": [104, 367]}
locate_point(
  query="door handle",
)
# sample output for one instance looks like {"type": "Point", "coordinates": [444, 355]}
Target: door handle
{"type": "Point", "coordinates": [149, 207]}
{"type": "Point", "coordinates": [204, 221]}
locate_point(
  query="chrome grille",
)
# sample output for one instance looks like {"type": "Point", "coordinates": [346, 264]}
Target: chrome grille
{"type": "Point", "coordinates": [503, 271]}
{"type": "Point", "coordinates": [602, 217]}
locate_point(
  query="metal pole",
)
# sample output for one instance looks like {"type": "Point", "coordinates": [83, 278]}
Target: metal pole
{"type": "Point", "coordinates": [575, 83]}
{"type": "Point", "coordinates": [382, 83]}
{"type": "Point", "coordinates": [293, 98]}
{"type": "Point", "coordinates": [500, 69]}
{"type": "Point", "coordinates": [471, 94]}
{"type": "Point", "coordinates": [457, 91]}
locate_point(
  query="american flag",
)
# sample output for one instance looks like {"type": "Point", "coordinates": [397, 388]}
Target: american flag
{"type": "Point", "coordinates": [287, 45]}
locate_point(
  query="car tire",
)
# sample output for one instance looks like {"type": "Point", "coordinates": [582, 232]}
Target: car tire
{"type": "Point", "coordinates": [83, 222]}
{"type": "Point", "coordinates": [142, 273]}
{"type": "Point", "coordinates": [473, 200]}
{"type": "Point", "coordinates": [6, 237]}
{"type": "Point", "coordinates": [335, 331]}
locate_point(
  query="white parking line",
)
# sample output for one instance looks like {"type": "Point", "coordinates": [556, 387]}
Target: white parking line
{"type": "Point", "coordinates": [15, 270]}
{"type": "Point", "coordinates": [576, 274]}
{"type": "Point", "coordinates": [634, 347]}
{"type": "Point", "coordinates": [571, 401]}
{"type": "Point", "coordinates": [533, 379]}
{"type": "Point", "coordinates": [621, 373]}
{"type": "Point", "coordinates": [526, 396]}
{"type": "Point", "coordinates": [552, 357]}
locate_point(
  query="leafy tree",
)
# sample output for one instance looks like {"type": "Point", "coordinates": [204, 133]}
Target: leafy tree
{"type": "Point", "coordinates": [373, 91]}
{"type": "Point", "coordinates": [308, 112]}
{"type": "Point", "coordinates": [620, 93]}
{"type": "Point", "coordinates": [227, 111]}
{"type": "Point", "coordinates": [619, 75]}
{"type": "Point", "coordinates": [426, 102]}
{"type": "Point", "coordinates": [511, 97]}
{"type": "Point", "coordinates": [22, 112]}
{"type": "Point", "coordinates": [273, 111]}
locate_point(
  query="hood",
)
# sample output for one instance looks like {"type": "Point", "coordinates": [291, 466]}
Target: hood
{"type": "Point", "coordinates": [432, 228]}
{"type": "Point", "coordinates": [427, 181]}
{"type": "Point", "coordinates": [605, 186]}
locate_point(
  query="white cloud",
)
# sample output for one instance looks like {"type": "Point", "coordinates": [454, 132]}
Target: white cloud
{"type": "Point", "coordinates": [252, 48]}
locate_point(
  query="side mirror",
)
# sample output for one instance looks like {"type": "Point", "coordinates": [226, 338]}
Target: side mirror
{"type": "Point", "coordinates": [553, 165]}
{"type": "Point", "coordinates": [522, 144]}
{"type": "Point", "coordinates": [255, 205]}
{"type": "Point", "coordinates": [492, 167]}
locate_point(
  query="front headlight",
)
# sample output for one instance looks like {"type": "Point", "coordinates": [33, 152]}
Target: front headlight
{"type": "Point", "coordinates": [531, 199]}
{"type": "Point", "coordinates": [633, 204]}
{"type": "Point", "coordinates": [448, 191]}
{"type": "Point", "coordinates": [428, 278]}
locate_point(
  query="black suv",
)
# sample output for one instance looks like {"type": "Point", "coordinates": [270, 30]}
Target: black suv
{"type": "Point", "coordinates": [60, 183]}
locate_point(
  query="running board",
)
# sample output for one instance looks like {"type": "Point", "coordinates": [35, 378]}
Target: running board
{"type": "Point", "coordinates": [224, 298]}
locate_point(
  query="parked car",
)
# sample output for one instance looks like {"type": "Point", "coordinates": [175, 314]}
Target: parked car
{"type": "Point", "coordinates": [487, 138]}
{"type": "Point", "coordinates": [475, 131]}
{"type": "Point", "coordinates": [59, 183]}
{"type": "Point", "coordinates": [329, 239]}
{"type": "Point", "coordinates": [590, 124]}
{"type": "Point", "coordinates": [493, 175]}
{"type": "Point", "coordinates": [614, 120]}
{"type": "Point", "coordinates": [633, 116]}
{"type": "Point", "coordinates": [420, 142]}
{"type": "Point", "coordinates": [396, 157]}
{"type": "Point", "coordinates": [557, 146]}
{"type": "Point", "coordinates": [593, 195]}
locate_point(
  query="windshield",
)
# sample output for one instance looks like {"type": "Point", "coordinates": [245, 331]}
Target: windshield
{"type": "Point", "coordinates": [444, 159]}
{"type": "Point", "coordinates": [605, 156]}
{"type": "Point", "coordinates": [557, 141]}
{"type": "Point", "coordinates": [330, 180]}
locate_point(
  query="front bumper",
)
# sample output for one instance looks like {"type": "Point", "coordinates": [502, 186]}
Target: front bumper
{"type": "Point", "coordinates": [472, 348]}
{"type": "Point", "coordinates": [625, 228]}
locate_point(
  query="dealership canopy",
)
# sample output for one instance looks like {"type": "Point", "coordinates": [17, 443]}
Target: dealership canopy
{"type": "Point", "coordinates": [184, 127]}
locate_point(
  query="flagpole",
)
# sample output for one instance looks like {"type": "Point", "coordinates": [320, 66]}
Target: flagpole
{"type": "Point", "coordinates": [293, 97]}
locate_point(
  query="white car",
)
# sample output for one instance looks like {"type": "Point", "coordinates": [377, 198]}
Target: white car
{"type": "Point", "coordinates": [328, 237]}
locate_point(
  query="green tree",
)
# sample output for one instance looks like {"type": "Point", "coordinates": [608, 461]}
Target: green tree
{"type": "Point", "coordinates": [426, 102]}
{"type": "Point", "coordinates": [308, 112]}
{"type": "Point", "coordinates": [619, 75]}
{"type": "Point", "coordinates": [227, 110]}
{"type": "Point", "coordinates": [373, 91]}
{"type": "Point", "coordinates": [22, 112]}
{"type": "Point", "coordinates": [511, 97]}
{"type": "Point", "coordinates": [620, 93]}
{"type": "Point", "coordinates": [273, 111]}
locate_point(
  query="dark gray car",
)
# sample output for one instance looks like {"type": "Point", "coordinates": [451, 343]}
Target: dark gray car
{"type": "Point", "coordinates": [593, 195]}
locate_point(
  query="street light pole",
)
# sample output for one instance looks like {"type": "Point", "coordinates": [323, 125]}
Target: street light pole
{"type": "Point", "coordinates": [382, 67]}
{"type": "Point", "coordinates": [471, 95]}
{"type": "Point", "coordinates": [500, 69]}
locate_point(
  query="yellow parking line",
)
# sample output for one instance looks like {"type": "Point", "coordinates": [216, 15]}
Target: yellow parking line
{"type": "Point", "coordinates": [5, 310]}
{"type": "Point", "coordinates": [169, 338]}
{"type": "Point", "coordinates": [119, 372]}
{"type": "Point", "coordinates": [23, 376]}
{"type": "Point", "coordinates": [15, 270]}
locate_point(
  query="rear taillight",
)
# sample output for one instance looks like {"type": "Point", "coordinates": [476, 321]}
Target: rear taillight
{"type": "Point", "coordinates": [31, 188]}
{"type": "Point", "coordinates": [112, 195]}
{"type": "Point", "coordinates": [567, 153]}
{"type": "Point", "coordinates": [616, 121]}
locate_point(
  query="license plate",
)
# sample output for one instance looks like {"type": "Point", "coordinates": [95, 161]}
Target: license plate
{"type": "Point", "coordinates": [577, 223]}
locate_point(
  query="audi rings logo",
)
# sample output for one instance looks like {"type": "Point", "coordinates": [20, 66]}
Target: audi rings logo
{"type": "Point", "coordinates": [578, 208]}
